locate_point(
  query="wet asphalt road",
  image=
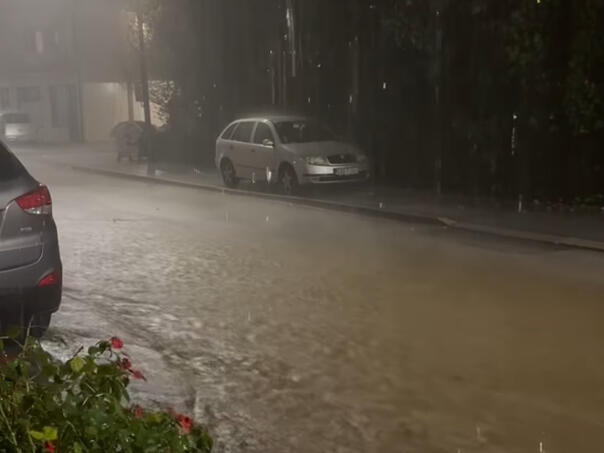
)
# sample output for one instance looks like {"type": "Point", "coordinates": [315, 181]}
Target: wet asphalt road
{"type": "Point", "coordinates": [291, 329]}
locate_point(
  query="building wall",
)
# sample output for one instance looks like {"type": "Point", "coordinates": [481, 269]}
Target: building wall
{"type": "Point", "coordinates": [104, 104]}
{"type": "Point", "coordinates": [36, 37]}
{"type": "Point", "coordinates": [103, 42]}
{"type": "Point", "coordinates": [79, 47]}
{"type": "Point", "coordinates": [43, 110]}
{"type": "Point", "coordinates": [36, 51]}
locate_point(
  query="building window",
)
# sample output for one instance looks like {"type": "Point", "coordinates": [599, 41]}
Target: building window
{"type": "Point", "coordinates": [60, 105]}
{"type": "Point", "coordinates": [4, 98]}
{"type": "Point", "coordinates": [53, 40]}
{"type": "Point", "coordinates": [39, 42]}
{"type": "Point", "coordinates": [43, 42]}
{"type": "Point", "coordinates": [28, 94]}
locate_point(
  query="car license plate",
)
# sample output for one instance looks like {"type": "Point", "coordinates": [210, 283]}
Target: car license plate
{"type": "Point", "coordinates": [346, 171]}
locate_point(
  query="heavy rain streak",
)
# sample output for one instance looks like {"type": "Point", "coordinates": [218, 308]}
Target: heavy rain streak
{"type": "Point", "coordinates": [302, 226]}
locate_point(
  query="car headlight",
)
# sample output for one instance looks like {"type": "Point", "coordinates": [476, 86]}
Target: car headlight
{"type": "Point", "coordinates": [316, 160]}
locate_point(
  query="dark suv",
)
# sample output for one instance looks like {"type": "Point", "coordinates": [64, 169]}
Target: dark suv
{"type": "Point", "coordinates": [30, 263]}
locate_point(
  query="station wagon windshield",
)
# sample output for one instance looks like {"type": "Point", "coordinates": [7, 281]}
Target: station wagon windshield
{"type": "Point", "coordinates": [302, 132]}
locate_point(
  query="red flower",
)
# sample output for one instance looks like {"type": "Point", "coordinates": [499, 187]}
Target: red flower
{"type": "Point", "coordinates": [125, 363]}
{"type": "Point", "coordinates": [49, 447]}
{"type": "Point", "coordinates": [116, 343]}
{"type": "Point", "coordinates": [137, 374]}
{"type": "Point", "coordinates": [185, 423]}
{"type": "Point", "coordinates": [137, 411]}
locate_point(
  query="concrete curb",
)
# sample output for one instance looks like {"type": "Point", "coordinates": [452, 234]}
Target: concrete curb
{"type": "Point", "coordinates": [342, 207]}
{"type": "Point", "coordinates": [570, 242]}
{"type": "Point", "coordinates": [564, 241]}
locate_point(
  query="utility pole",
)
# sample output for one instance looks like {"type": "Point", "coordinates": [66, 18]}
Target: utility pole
{"type": "Point", "coordinates": [144, 87]}
{"type": "Point", "coordinates": [130, 93]}
{"type": "Point", "coordinates": [273, 74]}
{"type": "Point", "coordinates": [438, 50]}
{"type": "Point", "coordinates": [290, 16]}
{"type": "Point", "coordinates": [284, 94]}
{"type": "Point", "coordinates": [77, 134]}
{"type": "Point", "coordinates": [289, 55]}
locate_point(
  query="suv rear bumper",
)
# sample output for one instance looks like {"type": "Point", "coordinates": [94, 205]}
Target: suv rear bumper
{"type": "Point", "coordinates": [18, 307]}
{"type": "Point", "coordinates": [19, 291]}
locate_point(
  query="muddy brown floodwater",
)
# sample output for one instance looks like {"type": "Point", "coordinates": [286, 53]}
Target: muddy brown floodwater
{"type": "Point", "coordinates": [290, 329]}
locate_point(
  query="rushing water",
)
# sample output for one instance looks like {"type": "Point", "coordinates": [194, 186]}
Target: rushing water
{"type": "Point", "coordinates": [297, 330]}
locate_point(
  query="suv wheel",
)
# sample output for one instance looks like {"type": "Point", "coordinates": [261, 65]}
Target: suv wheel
{"type": "Point", "coordinates": [39, 324]}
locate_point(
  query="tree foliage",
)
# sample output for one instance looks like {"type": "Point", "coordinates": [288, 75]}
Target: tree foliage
{"type": "Point", "coordinates": [538, 34]}
{"type": "Point", "coordinates": [392, 73]}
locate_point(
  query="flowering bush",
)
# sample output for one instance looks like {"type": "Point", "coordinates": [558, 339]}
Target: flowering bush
{"type": "Point", "coordinates": [82, 405]}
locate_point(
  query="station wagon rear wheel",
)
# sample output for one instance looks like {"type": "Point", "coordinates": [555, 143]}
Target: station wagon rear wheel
{"type": "Point", "coordinates": [229, 177]}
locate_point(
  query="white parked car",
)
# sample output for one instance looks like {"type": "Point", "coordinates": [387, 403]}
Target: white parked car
{"type": "Point", "coordinates": [17, 127]}
{"type": "Point", "coordinates": [286, 150]}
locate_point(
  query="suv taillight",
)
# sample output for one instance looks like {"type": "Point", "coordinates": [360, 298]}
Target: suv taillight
{"type": "Point", "coordinates": [37, 202]}
{"type": "Point", "coordinates": [52, 279]}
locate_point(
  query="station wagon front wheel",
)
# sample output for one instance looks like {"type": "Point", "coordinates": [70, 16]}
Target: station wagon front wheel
{"type": "Point", "coordinates": [288, 180]}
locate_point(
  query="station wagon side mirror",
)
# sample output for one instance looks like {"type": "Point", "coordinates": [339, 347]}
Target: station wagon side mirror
{"type": "Point", "coordinates": [268, 143]}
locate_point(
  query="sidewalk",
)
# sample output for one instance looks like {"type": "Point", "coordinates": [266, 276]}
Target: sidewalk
{"type": "Point", "coordinates": [573, 229]}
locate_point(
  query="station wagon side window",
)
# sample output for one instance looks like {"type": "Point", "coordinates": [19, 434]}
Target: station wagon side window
{"type": "Point", "coordinates": [226, 135]}
{"type": "Point", "coordinates": [244, 131]}
{"type": "Point", "coordinates": [263, 132]}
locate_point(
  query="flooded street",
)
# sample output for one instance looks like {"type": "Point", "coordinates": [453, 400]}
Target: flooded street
{"type": "Point", "coordinates": [290, 329]}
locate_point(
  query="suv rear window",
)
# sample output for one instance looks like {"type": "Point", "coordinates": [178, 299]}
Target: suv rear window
{"type": "Point", "coordinates": [10, 168]}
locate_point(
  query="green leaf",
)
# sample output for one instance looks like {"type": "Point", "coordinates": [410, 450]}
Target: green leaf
{"type": "Point", "coordinates": [77, 364]}
{"type": "Point", "coordinates": [90, 366]}
{"type": "Point", "coordinates": [13, 332]}
{"type": "Point", "coordinates": [154, 417]}
{"type": "Point", "coordinates": [37, 435]}
{"type": "Point", "coordinates": [103, 346]}
{"type": "Point", "coordinates": [50, 433]}
{"type": "Point", "coordinates": [77, 448]}
{"type": "Point", "coordinates": [18, 397]}
{"type": "Point", "coordinates": [48, 370]}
